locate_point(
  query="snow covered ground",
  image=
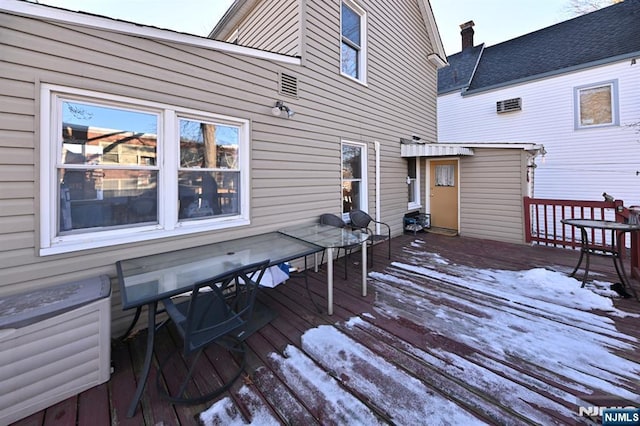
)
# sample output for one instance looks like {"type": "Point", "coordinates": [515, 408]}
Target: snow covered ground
{"type": "Point", "coordinates": [472, 337]}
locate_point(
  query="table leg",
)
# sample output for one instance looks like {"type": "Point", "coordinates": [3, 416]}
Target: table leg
{"type": "Point", "coordinates": [147, 359]}
{"type": "Point", "coordinates": [583, 248]}
{"type": "Point", "coordinates": [618, 262]}
{"type": "Point", "coordinates": [584, 251]}
{"type": "Point", "coordinates": [617, 257]}
{"type": "Point", "coordinates": [364, 268]}
{"type": "Point", "coordinates": [330, 281]}
{"type": "Point", "coordinates": [133, 323]}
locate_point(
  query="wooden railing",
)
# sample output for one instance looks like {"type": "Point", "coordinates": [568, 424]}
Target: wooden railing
{"type": "Point", "coordinates": [542, 224]}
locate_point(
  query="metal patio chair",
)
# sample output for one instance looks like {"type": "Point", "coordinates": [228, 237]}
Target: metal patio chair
{"type": "Point", "coordinates": [218, 311]}
{"type": "Point", "coordinates": [334, 220]}
{"type": "Point", "coordinates": [361, 220]}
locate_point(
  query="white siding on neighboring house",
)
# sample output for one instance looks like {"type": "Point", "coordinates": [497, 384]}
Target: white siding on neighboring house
{"type": "Point", "coordinates": [579, 164]}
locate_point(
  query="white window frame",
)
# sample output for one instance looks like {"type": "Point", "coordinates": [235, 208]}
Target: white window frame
{"type": "Point", "coordinates": [415, 203]}
{"type": "Point", "coordinates": [51, 98]}
{"type": "Point", "coordinates": [615, 116]}
{"type": "Point", "coordinates": [364, 186]}
{"type": "Point", "coordinates": [362, 49]}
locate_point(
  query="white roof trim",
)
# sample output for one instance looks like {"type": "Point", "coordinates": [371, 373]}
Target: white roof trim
{"type": "Point", "coordinates": [453, 149]}
{"type": "Point", "coordinates": [433, 150]}
{"type": "Point", "coordinates": [55, 14]}
{"type": "Point", "coordinates": [434, 34]}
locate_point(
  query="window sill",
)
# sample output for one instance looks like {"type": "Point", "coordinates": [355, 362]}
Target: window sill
{"type": "Point", "coordinates": [355, 80]}
{"type": "Point", "coordinates": [89, 241]}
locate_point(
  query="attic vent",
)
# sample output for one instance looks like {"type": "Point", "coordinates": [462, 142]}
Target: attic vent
{"type": "Point", "coordinates": [288, 85]}
{"type": "Point", "coordinates": [509, 105]}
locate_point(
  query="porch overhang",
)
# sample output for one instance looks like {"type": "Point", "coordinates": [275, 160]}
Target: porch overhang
{"type": "Point", "coordinates": [433, 150]}
{"type": "Point", "coordinates": [409, 148]}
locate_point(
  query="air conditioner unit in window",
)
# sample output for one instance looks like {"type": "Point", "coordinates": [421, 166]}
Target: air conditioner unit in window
{"type": "Point", "coordinates": [509, 105]}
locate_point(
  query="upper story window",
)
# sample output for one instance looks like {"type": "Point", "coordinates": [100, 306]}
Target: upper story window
{"type": "Point", "coordinates": [596, 105]}
{"type": "Point", "coordinates": [117, 170]}
{"type": "Point", "coordinates": [353, 43]}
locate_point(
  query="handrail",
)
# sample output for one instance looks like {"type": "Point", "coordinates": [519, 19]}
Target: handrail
{"type": "Point", "coordinates": [542, 224]}
{"type": "Point", "coordinates": [543, 216]}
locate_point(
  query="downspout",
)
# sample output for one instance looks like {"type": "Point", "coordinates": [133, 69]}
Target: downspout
{"type": "Point", "coordinates": [376, 145]}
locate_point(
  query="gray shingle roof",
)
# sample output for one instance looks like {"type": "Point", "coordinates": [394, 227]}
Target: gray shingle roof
{"type": "Point", "coordinates": [611, 32]}
{"type": "Point", "coordinates": [460, 70]}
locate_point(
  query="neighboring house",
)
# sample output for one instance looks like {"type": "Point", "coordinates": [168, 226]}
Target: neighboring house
{"type": "Point", "coordinates": [573, 87]}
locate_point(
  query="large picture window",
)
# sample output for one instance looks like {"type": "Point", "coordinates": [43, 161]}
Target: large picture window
{"type": "Point", "coordinates": [596, 105]}
{"type": "Point", "coordinates": [117, 170]}
{"type": "Point", "coordinates": [353, 44]}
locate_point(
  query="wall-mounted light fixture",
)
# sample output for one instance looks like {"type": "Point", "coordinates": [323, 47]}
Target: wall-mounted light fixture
{"type": "Point", "coordinates": [280, 107]}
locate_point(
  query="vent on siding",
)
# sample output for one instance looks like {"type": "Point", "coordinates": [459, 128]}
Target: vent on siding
{"type": "Point", "coordinates": [288, 85]}
{"type": "Point", "coordinates": [509, 105]}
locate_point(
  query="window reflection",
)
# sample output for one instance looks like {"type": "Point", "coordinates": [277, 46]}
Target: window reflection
{"type": "Point", "coordinates": [352, 157]}
{"type": "Point", "coordinates": [107, 167]}
{"type": "Point", "coordinates": [209, 177]}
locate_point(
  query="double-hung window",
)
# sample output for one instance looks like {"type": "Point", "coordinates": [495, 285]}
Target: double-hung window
{"type": "Point", "coordinates": [596, 105]}
{"type": "Point", "coordinates": [354, 173]}
{"type": "Point", "coordinates": [353, 41]}
{"type": "Point", "coordinates": [116, 170]}
{"type": "Point", "coordinates": [413, 182]}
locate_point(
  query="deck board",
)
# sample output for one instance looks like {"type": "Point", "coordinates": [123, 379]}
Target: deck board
{"type": "Point", "coordinates": [413, 342]}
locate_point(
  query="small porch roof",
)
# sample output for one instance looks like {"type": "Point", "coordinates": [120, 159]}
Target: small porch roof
{"type": "Point", "coordinates": [417, 149]}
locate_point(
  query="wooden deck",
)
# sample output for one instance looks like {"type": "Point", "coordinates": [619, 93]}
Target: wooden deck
{"type": "Point", "coordinates": [407, 322]}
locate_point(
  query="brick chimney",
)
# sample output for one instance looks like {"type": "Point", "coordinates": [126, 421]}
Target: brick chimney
{"type": "Point", "coordinates": [467, 34]}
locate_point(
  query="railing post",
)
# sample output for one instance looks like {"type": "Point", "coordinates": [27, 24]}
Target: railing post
{"type": "Point", "coordinates": [635, 255]}
{"type": "Point", "coordinates": [527, 219]}
{"type": "Point", "coordinates": [635, 244]}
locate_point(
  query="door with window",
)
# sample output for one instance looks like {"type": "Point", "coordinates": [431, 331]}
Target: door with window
{"type": "Point", "coordinates": [443, 192]}
{"type": "Point", "coordinates": [354, 172]}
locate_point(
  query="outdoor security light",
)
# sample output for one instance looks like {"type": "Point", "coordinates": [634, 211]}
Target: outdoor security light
{"type": "Point", "coordinates": [280, 106]}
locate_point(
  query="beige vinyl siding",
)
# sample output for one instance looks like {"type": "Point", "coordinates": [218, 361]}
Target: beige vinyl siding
{"type": "Point", "coordinates": [491, 189]}
{"type": "Point", "coordinates": [399, 98]}
{"type": "Point", "coordinates": [274, 25]}
{"type": "Point", "coordinates": [295, 163]}
{"type": "Point", "coordinates": [36, 51]}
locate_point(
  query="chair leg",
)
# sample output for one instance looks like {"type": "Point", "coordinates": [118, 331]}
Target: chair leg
{"type": "Point", "coordinates": [306, 285]}
{"type": "Point", "coordinates": [180, 396]}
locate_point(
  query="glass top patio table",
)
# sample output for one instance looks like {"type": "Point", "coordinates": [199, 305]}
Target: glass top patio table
{"type": "Point", "coordinates": [326, 236]}
{"type": "Point", "coordinates": [602, 224]}
{"type": "Point", "coordinates": [331, 237]}
{"type": "Point", "coordinates": [615, 250]}
{"type": "Point", "coordinates": [150, 278]}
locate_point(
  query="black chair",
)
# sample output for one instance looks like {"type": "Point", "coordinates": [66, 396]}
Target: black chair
{"type": "Point", "coordinates": [361, 220]}
{"type": "Point", "coordinates": [333, 220]}
{"type": "Point", "coordinates": [219, 310]}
